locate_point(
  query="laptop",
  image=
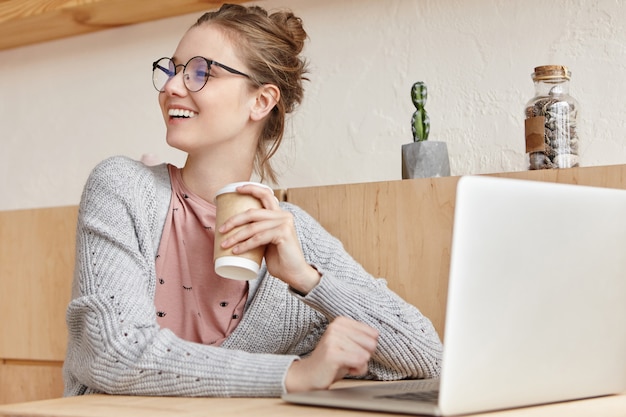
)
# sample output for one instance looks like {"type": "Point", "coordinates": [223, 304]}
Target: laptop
{"type": "Point", "coordinates": [536, 309]}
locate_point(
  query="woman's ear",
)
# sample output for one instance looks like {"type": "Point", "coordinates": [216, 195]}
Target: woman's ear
{"type": "Point", "coordinates": [267, 97]}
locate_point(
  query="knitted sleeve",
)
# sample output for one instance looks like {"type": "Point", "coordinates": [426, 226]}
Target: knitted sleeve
{"type": "Point", "coordinates": [409, 346]}
{"type": "Point", "coordinates": [114, 343]}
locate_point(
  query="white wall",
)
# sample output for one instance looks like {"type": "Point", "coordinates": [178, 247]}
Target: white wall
{"type": "Point", "coordinates": [67, 104]}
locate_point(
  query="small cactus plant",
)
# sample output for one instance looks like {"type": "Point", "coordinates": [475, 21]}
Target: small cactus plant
{"type": "Point", "coordinates": [423, 158]}
{"type": "Point", "coordinates": [420, 123]}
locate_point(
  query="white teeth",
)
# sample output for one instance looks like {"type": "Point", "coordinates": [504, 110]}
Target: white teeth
{"type": "Point", "coordinates": [181, 113]}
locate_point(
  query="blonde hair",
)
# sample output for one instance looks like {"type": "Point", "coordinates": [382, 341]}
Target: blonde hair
{"type": "Point", "coordinates": [270, 45]}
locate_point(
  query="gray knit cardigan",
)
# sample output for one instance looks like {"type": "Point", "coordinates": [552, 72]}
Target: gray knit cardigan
{"type": "Point", "coordinates": [116, 346]}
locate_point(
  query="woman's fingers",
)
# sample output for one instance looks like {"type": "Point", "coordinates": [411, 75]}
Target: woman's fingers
{"type": "Point", "coordinates": [345, 349]}
{"type": "Point", "coordinates": [267, 197]}
{"type": "Point", "coordinates": [256, 227]}
{"type": "Point", "coordinates": [356, 340]}
{"type": "Point", "coordinates": [269, 202]}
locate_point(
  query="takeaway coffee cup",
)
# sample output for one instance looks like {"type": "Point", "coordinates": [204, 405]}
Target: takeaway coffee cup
{"type": "Point", "coordinates": [229, 202]}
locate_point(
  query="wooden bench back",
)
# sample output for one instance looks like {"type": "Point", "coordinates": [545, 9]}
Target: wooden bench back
{"type": "Point", "coordinates": [36, 266]}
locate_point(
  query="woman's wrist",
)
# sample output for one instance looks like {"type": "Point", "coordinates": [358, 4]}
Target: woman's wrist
{"type": "Point", "coordinates": [307, 281]}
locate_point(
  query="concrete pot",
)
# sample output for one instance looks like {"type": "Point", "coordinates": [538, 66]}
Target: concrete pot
{"type": "Point", "coordinates": [425, 159]}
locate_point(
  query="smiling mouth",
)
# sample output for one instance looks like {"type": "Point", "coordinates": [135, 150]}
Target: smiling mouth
{"type": "Point", "coordinates": [181, 114]}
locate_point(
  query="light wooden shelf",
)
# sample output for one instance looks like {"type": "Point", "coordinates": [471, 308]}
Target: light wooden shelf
{"type": "Point", "coordinates": [25, 22]}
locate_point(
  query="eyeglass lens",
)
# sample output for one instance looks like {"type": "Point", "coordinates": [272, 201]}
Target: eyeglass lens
{"type": "Point", "coordinates": [195, 73]}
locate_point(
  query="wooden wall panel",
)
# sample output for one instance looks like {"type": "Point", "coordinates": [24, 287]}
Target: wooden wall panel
{"type": "Point", "coordinates": [36, 268]}
{"type": "Point", "coordinates": [402, 230]}
{"type": "Point", "coordinates": [24, 381]}
{"type": "Point", "coordinates": [398, 230]}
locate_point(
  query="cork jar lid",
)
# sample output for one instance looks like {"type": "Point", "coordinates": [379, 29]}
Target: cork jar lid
{"type": "Point", "coordinates": [551, 72]}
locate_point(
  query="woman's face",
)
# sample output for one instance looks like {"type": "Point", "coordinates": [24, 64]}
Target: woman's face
{"type": "Point", "coordinates": [218, 115]}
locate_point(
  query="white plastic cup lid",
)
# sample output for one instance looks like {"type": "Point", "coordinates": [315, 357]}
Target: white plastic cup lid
{"type": "Point", "coordinates": [231, 188]}
{"type": "Point", "coordinates": [236, 267]}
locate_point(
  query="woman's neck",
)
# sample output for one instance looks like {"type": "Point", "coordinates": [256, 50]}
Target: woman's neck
{"type": "Point", "coordinates": [205, 176]}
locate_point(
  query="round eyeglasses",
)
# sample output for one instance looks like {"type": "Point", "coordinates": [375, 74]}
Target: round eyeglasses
{"type": "Point", "coordinates": [196, 72]}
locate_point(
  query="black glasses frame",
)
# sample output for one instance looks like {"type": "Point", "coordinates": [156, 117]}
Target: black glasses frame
{"type": "Point", "coordinates": [209, 62]}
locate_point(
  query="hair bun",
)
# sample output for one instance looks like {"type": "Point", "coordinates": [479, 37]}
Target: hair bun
{"type": "Point", "coordinates": [293, 27]}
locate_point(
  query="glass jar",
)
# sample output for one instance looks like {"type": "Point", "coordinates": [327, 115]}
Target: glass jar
{"type": "Point", "coordinates": [550, 125]}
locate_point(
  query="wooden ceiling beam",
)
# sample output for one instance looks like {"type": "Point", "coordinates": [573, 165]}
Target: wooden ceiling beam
{"type": "Point", "coordinates": [25, 22]}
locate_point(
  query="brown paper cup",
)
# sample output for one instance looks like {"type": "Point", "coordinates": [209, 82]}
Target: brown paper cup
{"type": "Point", "coordinates": [244, 266]}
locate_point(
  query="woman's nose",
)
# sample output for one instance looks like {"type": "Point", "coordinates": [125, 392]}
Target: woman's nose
{"type": "Point", "coordinates": [176, 85]}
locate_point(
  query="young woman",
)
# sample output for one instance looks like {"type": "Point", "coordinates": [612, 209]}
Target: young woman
{"type": "Point", "coordinates": [149, 316]}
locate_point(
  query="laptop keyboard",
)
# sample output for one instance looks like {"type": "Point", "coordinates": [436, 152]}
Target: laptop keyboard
{"type": "Point", "coordinates": [424, 396]}
{"type": "Point", "coordinates": [416, 390]}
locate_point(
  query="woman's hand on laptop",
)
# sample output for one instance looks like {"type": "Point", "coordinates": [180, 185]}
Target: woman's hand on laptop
{"type": "Point", "coordinates": [345, 349]}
